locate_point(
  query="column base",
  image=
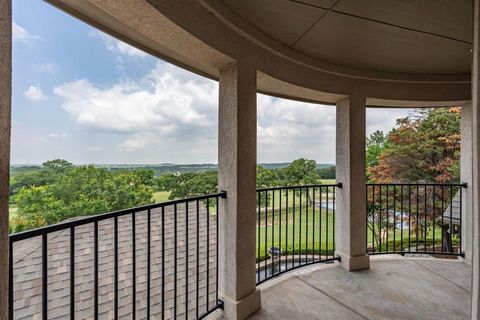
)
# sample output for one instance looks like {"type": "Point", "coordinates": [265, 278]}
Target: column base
{"type": "Point", "coordinates": [353, 263]}
{"type": "Point", "coordinates": [241, 309]}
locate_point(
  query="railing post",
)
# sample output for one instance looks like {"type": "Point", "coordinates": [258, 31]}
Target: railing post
{"type": "Point", "coordinates": [5, 123]}
{"type": "Point", "coordinates": [237, 168]}
{"type": "Point", "coordinates": [350, 223]}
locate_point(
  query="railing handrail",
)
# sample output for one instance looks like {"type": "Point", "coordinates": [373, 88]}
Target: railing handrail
{"type": "Point", "coordinates": [463, 184]}
{"type": "Point", "coordinates": [104, 216]}
{"type": "Point", "coordinates": [339, 185]}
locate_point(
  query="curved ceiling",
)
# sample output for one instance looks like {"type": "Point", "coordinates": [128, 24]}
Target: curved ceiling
{"type": "Point", "coordinates": [408, 36]}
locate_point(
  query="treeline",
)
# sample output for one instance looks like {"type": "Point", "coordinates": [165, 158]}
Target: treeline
{"type": "Point", "coordinates": [58, 190]}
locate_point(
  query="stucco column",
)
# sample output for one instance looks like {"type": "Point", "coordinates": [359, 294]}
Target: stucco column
{"type": "Point", "coordinates": [475, 303]}
{"type": "Point", "coordinates": [350, 222]}
{"type": "Point", "coordinates": [466, 175]}
{"type": "Point", "coordinates": [237, 155]}
{"type": "Point", "coordinates": [5, 120]}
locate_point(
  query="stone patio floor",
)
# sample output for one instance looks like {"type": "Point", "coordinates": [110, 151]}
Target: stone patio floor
{"type": "Point", "coordinates": [394, 287]}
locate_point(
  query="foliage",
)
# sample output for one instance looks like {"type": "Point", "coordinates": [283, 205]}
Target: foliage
{"type": "Point", "coordinates": [422, 147]}
{"type": "Point", "coordinates": [81, 191]}
{"type": "Point", "coordinates": [165, 182]}
{"type": "Point", "coordinates": [300, 172]}
{"type": "Point", "coordinates": [194, 183]}
{"type": "Point", "coordinates": [327, 173]}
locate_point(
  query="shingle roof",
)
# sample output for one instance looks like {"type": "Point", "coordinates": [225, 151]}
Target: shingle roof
{"type": "Point", "coordinates": [28, 269]}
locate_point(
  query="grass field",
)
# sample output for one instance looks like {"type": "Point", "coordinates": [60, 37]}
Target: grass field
{"type": "Point", "coordinates": [161, 196]}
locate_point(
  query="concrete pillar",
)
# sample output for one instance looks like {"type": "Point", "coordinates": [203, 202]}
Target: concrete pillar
{"type": "Point", "coordinates": [466, 175]}
{"type": "Point", "coordinates": [350, 222]}
{"type": "Point", "coordinates": [475, 303]}
{"type": "Point", "coordinates": [5, 120]}
{"type": "Point", "coordinates": [237, 148]}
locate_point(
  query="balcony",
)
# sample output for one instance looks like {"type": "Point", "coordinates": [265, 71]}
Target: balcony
{"type": "Point", "coordinates": [210, 255]}
{"type": "Point", "coordinates": [161, 261]}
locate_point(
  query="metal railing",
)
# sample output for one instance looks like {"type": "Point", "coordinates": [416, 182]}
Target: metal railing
{"type": "Point", "coordinates": [414, 218]}
{"type": "Point", "coordinates": [295, 228]}
{"type": "Point", "coordinates": [158, 261]}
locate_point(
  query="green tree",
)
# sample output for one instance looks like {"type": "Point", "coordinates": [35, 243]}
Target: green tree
{"type": "Point", "coordinates": [165, 182]}
{"type": "Point", "coordinates": [81, 191]}
{"type": "Point", "coordinates": [300, 172]}
{"type": "Point", "coordinates": [327, 173]}
{"type": "Point", "coordinates": [57, 164]}
{"type": "Point", "coordinates": [375, 145]}
{"type": "Point", "coordinates": [193, 184]}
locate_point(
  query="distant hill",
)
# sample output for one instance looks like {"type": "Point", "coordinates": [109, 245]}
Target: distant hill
{"type": "Point", "coordinates": [160, 168]}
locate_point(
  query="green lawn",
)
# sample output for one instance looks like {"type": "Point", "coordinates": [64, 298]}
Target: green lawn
{"type": "Point", "coordinates": [161, 196]}
{"type": "Point", "coordinates": [12, 211]}
{"type": "Point", "coordinates": [305, 229]}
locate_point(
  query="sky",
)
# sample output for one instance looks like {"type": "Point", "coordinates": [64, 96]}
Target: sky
{"type": "Point", "coordinates": [83, 96]}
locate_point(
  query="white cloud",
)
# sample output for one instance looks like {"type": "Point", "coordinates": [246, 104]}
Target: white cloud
{"type": "Point", "coordinates": [47, 68]}
{"type": "Point", "coordinates": [165, 110]}
{"type": "Point", "coordinates": [57, 135]}
{"type": "Point", "coordinates": [34, 93]}
{"type": "Point", "coordinates": [116, 46]}
{"type": "Point", "coordinates": [171, 115]}
{"type": "Point", "coordinates": [21, 34]}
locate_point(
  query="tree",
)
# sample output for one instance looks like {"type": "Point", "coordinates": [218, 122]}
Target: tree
{"type": "Point", "coordinates": [81, 191]}
{"type": "Point", "coordinates": [301, 172]}
{"type": "Point", "coordinates": [165, 182]}
{"type": "Point", "coordinates": [422, 147]}
{"type": "Point", "coordinates": [193, 184]}
{"type": "Point", "coordinates": [327, 173]}
{"type": "Point", "coordinates": [57, 165]}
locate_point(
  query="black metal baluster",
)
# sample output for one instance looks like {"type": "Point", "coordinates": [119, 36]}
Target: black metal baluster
{"type": "Point", "coordinates": [433, 221]}
{"type": "Point", "coordinates": [265, 252]}
{"type": "Point", "coordinates": [334, 190]}
{"type": "Point", "coordinates": [313, 229]}
{"type": "Point", "coordinates": [417, 222]}
{"type": "Point", "coordinates": [280, 228]}
{"type": "Point", "coordinates": [10, 280]}
{"type": "Point", "coordinates": [258, 237]}
{"type": "Point", "coordinates": [175, 264]}
{"type": "Point", "coordinates": [327, 225]}
{"type": "Point", "coordinates": [115, 245]}
{"type": "Point", "coordinates": [451, 218]}
{"type": "Point", "coordinates": [443, 212]}
{"type": "Point", "coordinates": [44, 277]}
{"type": "Point", "coordinates": [294, 223]}
{"type": "Point", "coordinates": [198, 259]}
{"type": "Point", "coordinates": [461, 226]}
{"type": "Point", "coordinates": [394, 219]}
{"type": "Point", "coordinates": [149, 244]}
{"type": "Point", "coordinates": [425, 219]}
{"type": "Point", "coordinates": [401, 218]}
{"type": "Point", "coordinates": [186, 259]}
{"type": "Point", "coordinates": [409, 217]}
{"type": "Point", "coordinates": [134, 269]}
{"type": "Point", "coordinates": [208, 257]}
{"type": "Point", "coordinates": [388, 218]}
{"type": "Point", "coordinates": [320, 222]}
{"type": "Point", "coordinates": [72, 273]}
{"type": "Point", "coordinates": [306, 225]}
{"type": "Point", "coordinates": [286, 227]}
{"type": "Point", "coordinates": [300, 230]}
{"type": "Point", "coordinates": [95, 269]}
{"type": "Point", "coordinates": [216, 248]}
{"type": "Point", "coordinates": [380, 220]}
{"type": "Point", "coordinates": [273, 231]}
{"type": "Point", "coordinates": [163, 262]}
{"type": "Point", "coordinates": [373, 219]}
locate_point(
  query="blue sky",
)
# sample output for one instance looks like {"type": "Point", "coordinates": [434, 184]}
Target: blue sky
{"type": "Point", "coordinates": [81, 95]}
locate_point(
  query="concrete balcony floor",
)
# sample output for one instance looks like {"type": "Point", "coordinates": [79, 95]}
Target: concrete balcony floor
{"type": "Point", "coordinates": [394, 287]}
